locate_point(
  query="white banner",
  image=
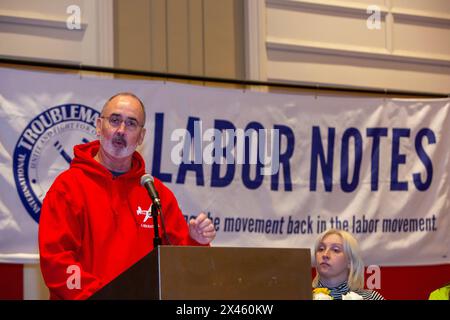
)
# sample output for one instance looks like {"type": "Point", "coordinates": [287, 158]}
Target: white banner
{"type": "Point", "coordinates": [283, 167]}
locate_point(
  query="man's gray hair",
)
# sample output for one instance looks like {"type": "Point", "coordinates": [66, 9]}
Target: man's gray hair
{"type": "Point", "coordinates": [129, 94]}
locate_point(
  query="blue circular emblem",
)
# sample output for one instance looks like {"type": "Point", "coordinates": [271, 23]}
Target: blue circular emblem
{"type": "Point", "coordinates": [45, 149]}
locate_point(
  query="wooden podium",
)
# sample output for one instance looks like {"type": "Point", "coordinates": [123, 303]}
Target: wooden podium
{"type": "Point", "coordinates": [215, 273]}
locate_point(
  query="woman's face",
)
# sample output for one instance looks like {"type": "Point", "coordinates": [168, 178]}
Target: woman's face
{"type": "Point", "coordinates": [331, 262]}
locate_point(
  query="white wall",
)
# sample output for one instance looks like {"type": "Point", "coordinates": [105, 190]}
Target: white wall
{"type": "Point", "coordinates": [38, 30]}
{"type": "Point", "coordinates": [327, 42]}
{"type": "Point", "coordinates": [34, 287]}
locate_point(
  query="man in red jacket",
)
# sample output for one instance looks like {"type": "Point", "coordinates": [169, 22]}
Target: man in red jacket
{"type": "Point", "coordinates": [94, 218]}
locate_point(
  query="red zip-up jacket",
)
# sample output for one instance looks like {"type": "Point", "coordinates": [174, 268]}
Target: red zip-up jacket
{"type": "Point", "coordinates": [96, 225]}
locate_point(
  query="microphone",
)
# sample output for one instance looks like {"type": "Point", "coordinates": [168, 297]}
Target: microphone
{"type": "Point", "coordinates": [147, 182]}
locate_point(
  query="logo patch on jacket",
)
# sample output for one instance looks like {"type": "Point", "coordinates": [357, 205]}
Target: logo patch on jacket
{"type": "Point", "coordinates": [145, 216]}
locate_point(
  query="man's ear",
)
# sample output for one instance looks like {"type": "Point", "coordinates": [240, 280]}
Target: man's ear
{"type": "Point", "coordinates": [142, 135]}
{"type": "Point", "coordinates": [98, 126]}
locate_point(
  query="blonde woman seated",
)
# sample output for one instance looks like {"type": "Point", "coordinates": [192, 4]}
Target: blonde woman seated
{"type": "Point", "coordinates": [340, 269]}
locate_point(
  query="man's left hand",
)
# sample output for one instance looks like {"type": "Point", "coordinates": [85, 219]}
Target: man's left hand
{"type": "Point", "coordinates": [202, 229]}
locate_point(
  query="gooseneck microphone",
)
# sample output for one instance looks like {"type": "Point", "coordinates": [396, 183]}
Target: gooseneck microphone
{"type": "Point", "coordinates": [147, 182]}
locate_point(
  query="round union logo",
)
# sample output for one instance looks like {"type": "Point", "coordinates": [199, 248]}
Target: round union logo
{"type": "Point", "coordinates": [45, 149]}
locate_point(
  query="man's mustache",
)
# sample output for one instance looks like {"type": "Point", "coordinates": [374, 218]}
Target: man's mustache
{"type": "Point", "coordinates": [119, 139]}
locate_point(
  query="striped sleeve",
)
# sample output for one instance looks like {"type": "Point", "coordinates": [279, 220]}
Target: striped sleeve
{"type": "Point", "coordinates": [370, 295]}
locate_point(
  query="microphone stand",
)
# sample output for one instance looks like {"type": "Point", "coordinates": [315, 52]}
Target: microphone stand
{"type": "Point", "coordinates": [156, 238]}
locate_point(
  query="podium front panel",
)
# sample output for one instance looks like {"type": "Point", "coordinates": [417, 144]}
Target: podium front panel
{"type": "Point", "coordinates": [227, 273]}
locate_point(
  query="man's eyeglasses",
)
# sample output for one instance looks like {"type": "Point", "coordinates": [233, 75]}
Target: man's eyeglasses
{"type": "Point", "coordinates": [115, 121]}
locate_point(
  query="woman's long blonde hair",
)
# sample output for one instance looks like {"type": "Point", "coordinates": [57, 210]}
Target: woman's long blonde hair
{"type": "Point", "coordinates": [355, 279]}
